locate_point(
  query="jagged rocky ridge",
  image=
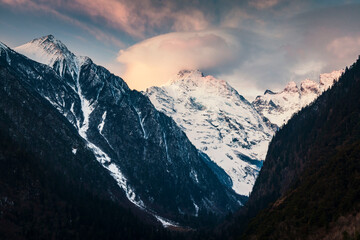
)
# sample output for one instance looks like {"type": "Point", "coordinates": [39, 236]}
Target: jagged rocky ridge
{"type": "Point", "coordinates": [279, 107]}
{"type": "Point", "coordinates": [219, 122]}
{"type": "Point", "coordinates": [150, 158]}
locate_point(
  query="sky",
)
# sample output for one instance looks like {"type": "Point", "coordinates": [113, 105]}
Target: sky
{"type": "Point", "coordinates": [254, 45]}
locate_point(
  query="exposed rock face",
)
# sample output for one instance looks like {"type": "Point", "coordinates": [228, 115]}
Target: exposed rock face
{"type": "Point", "coordinates": [279, 107]}
{"type": "Point", "coordinates": [219, 122]}
{"type": "Point", "coordinates": [150, 158]}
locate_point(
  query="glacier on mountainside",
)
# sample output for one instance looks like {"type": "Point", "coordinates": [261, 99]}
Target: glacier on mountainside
{"type": "Point", "coordinates": [219, 122]}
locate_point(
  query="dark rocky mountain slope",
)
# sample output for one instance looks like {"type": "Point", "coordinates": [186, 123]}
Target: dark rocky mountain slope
{"type": "Point", "coordinates": [145, 152]}
{"type": "Point", "coordinates": [49, 190]}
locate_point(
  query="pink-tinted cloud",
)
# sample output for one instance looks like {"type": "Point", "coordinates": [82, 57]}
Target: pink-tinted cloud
{"type": "Point", "coordinates": [156, 60]}
{"type": "Point", "coordinates": [279, 40]}
{"type": "Point", "coordinates": [190, 21]}
{"type": "Point", "coordinates": [264, 4]}
{"type": "Point", "coordinates": [14, 2]}
{"type": "Point", "coordinates": [143, 18]}
{"type": "Point", "coordinates": [115, 13]}
{"type": "Point", "coordinates": [234, 18]}
{"type": "Point", "coordinates": [42, 6]}
{"type": "Point", "coordinates": [345, 47]}
{"type": "Point", "coordinates": [138, 18]}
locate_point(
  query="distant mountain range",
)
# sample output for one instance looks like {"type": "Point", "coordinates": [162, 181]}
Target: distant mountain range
{"type": "Point", "coordinates": [221, 123]}
{"type": "Point", "coordinates": [279, 107]}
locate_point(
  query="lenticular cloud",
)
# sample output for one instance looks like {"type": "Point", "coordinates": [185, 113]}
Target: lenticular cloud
{"type": "Point", "coordinates": [155, 60]}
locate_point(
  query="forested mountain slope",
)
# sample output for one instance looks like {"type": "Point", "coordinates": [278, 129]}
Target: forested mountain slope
{"type": "Point", "coordinates": [309, 186]}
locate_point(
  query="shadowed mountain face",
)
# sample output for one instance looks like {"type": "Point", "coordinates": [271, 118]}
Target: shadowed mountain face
{"type": "Point", "coordinates": [147, 155]}
{"type": "Point", "coordinates": [51, 185]}
{"type": "Point", "coordinates": [308, 187]}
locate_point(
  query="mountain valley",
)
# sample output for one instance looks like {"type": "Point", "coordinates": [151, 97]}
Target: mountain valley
{"type": "Point", "coordinates": [86, 157]}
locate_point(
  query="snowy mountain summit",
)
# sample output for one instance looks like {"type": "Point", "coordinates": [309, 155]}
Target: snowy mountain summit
{"type": "Point", "coordinates": [218, 121]}
{"type": "Point", "coordinates": [46, 50]}
{"type": "Point", "coordinates": [279, 107]}
{"type": "Point", "coordinates": [50, 51]}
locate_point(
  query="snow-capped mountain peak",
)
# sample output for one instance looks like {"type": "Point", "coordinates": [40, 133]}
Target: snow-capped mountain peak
{"type": "Point", "coordinates": [186, 78]}
{"type": "Point", "coordinates": [187, 74]}
{"type": "Point", "coordinates": [327, 79]}
{"type": "Point", "coordinates": [279, 107]}
{"type": "Point", "coordinates": [291, 87]}
{"type": "Point", "coordinates": [202, 85]}
{"type": "Point", "coordinates": [45, 50]}
{"type": "Point", "coordinates": [218, 121]}
{"type": "Point", "coordinates": [52, 52]}
{"type": "Point", "coordinates": [309, 86]}
{"type": "Point", "coordinates": [196, 79]}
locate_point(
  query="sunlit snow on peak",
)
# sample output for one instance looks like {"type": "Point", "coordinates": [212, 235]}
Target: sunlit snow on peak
{"type": "Point", "coordinates": [218, 121]}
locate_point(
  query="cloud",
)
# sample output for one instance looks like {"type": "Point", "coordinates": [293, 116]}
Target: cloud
{"type": "Point", "coordinates": [190, 21]}
{"type": "Point", "coordinates": [344, 47]}
{"type": "Point", "coordinates": [140, 19]}
{"type": "Point", "coordinates": [255, 44]}
{"type": "Point", "coordinates": [251, 59]}
{"type": "Point", "coordinates": [235, 17]}
{"type": "Point", "coordinates": [29, 5]}
{"type": "Point", "coordinates": [319, 42]}
{"type": "Point", "coordinates": [117, 14]}
{"type": "Point", "coordinates": [14, 2]}
{"type": "Point", "coordinates": [306, 68]}
{"type": "Point", "coordinates": [155, 60]}
{"type": "Point", "coordinates": [263, 4]}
